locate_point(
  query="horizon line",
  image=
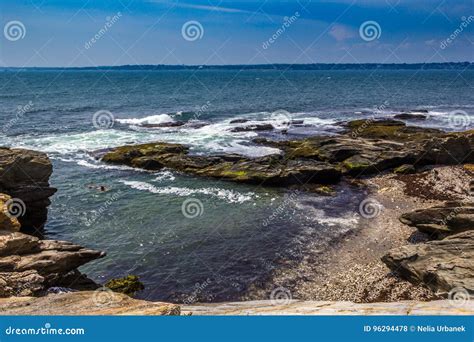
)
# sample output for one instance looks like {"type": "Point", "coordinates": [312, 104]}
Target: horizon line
{"type": "Point", "coordinates": [238, 65]}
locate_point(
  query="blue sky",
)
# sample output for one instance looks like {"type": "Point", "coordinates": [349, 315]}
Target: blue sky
{"type": "Point", "coordinates": [56, 33]}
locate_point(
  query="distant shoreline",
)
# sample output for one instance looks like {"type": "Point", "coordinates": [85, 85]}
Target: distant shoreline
{"type": "Point", "coordinates": [318, 66]}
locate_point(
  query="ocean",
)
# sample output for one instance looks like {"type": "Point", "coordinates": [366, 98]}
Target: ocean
{"type": "Point", "coordinates": [240, 233]}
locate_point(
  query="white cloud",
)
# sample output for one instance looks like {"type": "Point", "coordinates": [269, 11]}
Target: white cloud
{"type": "Point", "coordinates": [341, 32]}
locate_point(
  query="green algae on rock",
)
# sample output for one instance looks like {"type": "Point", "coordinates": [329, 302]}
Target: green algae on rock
{"type": "Point", "coordinates": [366, 147]}
{"type": "Point", "coordinates": [128, 285]}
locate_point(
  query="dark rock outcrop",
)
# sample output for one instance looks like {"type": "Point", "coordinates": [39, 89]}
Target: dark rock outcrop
{"type": "Point", "coordinates": [273, 170]}
{"type": "Point", "coordinates": [29, 266]}
{"type": "Point", "coordinates": [366, 147]}
{"type": "Point", "coordinates": [24, 174]}
{"type": "Point", "coordinates": [439, 221]}
{"type": "Point", "coordinates": [410, 116]}
{"type": "Point", "coordinates": [255, 127]}
{"type": "Point", "coordinates": [442, 265]}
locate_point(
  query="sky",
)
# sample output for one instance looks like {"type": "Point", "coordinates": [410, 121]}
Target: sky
{"type": "Point", "coordinates": [54, 33]}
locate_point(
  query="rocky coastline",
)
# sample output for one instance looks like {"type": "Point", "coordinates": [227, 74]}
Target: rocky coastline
{"type": "Point", "coordinates": [427, 255]}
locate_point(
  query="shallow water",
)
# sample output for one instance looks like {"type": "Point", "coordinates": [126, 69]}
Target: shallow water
{"type": "Point", "coordinates": [240, 233]}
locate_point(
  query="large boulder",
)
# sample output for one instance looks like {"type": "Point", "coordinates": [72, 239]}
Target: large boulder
{"type": "Point", "coordinates": [450, 218]}
{"type": "Point", "coordinates": [29, 266]}
{"type": "Point", "coordinates": [442, 265]}
{"type": "Point", "coordinates": [24, 175]}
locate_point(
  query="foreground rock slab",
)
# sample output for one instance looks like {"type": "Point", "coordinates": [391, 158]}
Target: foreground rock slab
{"type": "Point", "coordinates": [452, 217]}
{"type": "Point", "coordinates": [442, 265]}
{"type": "Point", "coordinates": [84, 303]}
{"type": "Point", "coordinates": [297, 307]}
{"type": "Point", "coordinates": [29, 266]}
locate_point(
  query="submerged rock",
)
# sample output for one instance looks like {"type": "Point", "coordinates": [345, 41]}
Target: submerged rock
{"type": "Point", "coordinates": [252, 128]}
{"type": "Point", "coordinates": [450, 218]}
{"type": "Point", "coordinates": [163, 124]}
{"type": "Point", "coordinates": [442, 265]}
{"type": "Point", "coordinates": [410, 116]}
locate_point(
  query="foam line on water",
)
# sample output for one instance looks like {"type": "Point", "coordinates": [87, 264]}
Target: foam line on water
{"type": "Point", "coordinates": [230, 196]}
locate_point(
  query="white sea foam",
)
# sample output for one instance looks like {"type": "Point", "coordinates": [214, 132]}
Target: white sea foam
{"type": "Point", "coordinates": [230, 196]}
{"type": "Point", "coordinates": [152, 119]}
{"type": "Point", "coordinates": [165, 176]}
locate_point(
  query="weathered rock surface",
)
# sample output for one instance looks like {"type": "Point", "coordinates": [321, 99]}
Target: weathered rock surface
{"type": "Point", "coordinates": [85, 303]}
{"type": "Point", "coordinates": [271, 170]}
{"type": "Point", "coordinates": [96, 303]}
{"type": "Point", "coordinates": [298, 307]}
{"type": "Point", "coordinates": [24, 174]}
{"type": "Point", "coordinates": [367, 147]}
{"type": "Point", "coordinates": [450, 218]}
{"type": "Point", "coordinates": [7, 220]}
{"type": "Point", "coordinates": [29, 266]}
{"type": "Point", "coordinates": [441, 265]}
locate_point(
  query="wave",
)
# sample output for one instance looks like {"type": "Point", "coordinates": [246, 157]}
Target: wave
{"type": "Point", "coordinates": [230, 196]}
{"type": "Point", "coordinates": [152, 120]}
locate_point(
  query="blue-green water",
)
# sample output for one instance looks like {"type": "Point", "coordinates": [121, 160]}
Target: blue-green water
{"type": "Point", "coordinates": [244, 232]}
